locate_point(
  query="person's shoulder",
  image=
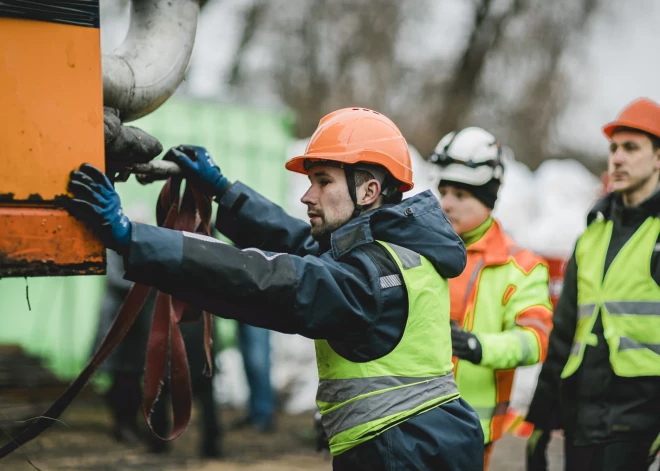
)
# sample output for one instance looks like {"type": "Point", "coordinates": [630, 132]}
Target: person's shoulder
{"type": "Point", "coordinates": [381, 258]}
{"type": "Point", "coordinates": [521, 257]}
{"type": "Point", "coordinates": [525, 259]}
{"type": "Point", "coordinates": [602, 208]}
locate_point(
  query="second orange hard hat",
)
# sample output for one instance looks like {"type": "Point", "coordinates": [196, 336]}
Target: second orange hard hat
{"type": "Point", "coordinates": [642, 114]}
{"type": "Point", "coordinates": [358, 135]}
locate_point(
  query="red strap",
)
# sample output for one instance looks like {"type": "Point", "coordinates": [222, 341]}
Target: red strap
{"type": "Point", "coordinates": [192, 214]}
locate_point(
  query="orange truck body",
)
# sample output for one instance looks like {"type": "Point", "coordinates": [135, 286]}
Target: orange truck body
{"type": "Point", "coordinates": [51, 121]}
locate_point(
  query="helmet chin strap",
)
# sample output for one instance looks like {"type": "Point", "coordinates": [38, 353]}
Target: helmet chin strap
{"type": "Point", "coordinates": [349, 170]}
{"type": "Point", "coordinates": [352, 190]}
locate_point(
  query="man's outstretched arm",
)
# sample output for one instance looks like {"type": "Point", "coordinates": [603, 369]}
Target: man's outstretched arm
{"type": "Point", "coordinates": [244, 216]}
{"type": "Point", "coordinates": [250, 220]}
{"type": "Point", "coordinates": [314, 297]}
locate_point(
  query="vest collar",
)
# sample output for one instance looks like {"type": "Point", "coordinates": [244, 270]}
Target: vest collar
{"type": "Point", "coordinates": [355, 233]}
{"type": "Point", "coordinates": [611, 207]}
{"type": "Point", "coordinates": [416, 223]}
{"type": "Point", "coordinates": [651, 205]}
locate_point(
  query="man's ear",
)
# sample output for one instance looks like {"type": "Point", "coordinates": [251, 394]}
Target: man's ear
{"type": "Point", "coordinates": [371, 192]}
{"type": "Point", "coordinates": [657, 158]}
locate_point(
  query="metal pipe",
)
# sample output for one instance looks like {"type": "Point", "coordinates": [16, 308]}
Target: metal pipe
{"type": "Point", "coordinates": [147, 68]}
{"type": "Point", "coordinates": [148, 172]}
{"type": "Point", "coordinates": [158, 169]}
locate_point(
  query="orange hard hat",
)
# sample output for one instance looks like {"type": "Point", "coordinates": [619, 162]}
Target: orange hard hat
{"type": "Point", "coordinates": [642, 114]}
{"type": "Point", "coordinates": [358, 135]}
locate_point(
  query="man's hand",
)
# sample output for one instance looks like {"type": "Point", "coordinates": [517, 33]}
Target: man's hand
{"type": "Point", "coordinates": [199, 168]}
{"type": "Point", "coordinates": [466, 345]}
{"type": "Point", "coordinates": [96, 203]}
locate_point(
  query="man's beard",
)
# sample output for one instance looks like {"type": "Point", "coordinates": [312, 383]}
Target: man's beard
{"type": "Point", "coordinates": [322, 232]}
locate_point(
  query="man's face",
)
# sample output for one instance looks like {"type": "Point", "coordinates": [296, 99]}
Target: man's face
{"type": "Point", "coordinates": [632, 161]}
{"type": "Point", "coordinates": [464, 211]}
{"type": "Point", "coordinates": [329, 205]}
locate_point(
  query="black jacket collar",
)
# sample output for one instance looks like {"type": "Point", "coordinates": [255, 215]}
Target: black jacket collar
{"type": "Point", "coordinates": [611, 207]}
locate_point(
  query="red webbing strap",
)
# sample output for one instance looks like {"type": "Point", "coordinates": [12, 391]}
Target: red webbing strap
{"type": "Point", "coordinates": [194, 216]}
{"type": "Point", "coordinates": [191, 214]}
{"type": "Point", "coordinates": [127, 314]}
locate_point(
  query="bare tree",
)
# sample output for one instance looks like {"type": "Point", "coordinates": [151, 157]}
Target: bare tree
{"type": "Point", "coordinates": [461, 90]}
{"type": "Point", "coordinates": [253, 19]}
{"type": "Point", "coordinates": [531, 117]}
{"type": "Point", "coordinates": [327, 54]}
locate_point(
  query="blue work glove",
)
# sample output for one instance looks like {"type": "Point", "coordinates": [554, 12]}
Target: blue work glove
{"type": "Point", "coordinates": [96, 203]}
{"type": "Point", "coordinates": [199, 169]}
{"type": "Point", "coordinates": [466, 345]}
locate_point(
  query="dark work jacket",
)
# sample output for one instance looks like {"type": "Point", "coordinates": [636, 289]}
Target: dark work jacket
{"type": "Point", "coordinates": [281, 280]}
{"type": "Point", "coordinates": [594, 405]}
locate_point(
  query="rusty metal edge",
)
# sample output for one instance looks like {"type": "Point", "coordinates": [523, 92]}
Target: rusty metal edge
{"type": "Point", "coordinates": [32, 269]}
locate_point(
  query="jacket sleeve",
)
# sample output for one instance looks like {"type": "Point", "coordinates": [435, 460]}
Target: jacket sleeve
{"type": "Point", "coordinates": [527, 323]}
{"type": "Point", "coordinates": [315, 297]}
{"type": "Point", "coordinates": [250, 220]}
{"type": "Point", "coordinates": [544, 409]}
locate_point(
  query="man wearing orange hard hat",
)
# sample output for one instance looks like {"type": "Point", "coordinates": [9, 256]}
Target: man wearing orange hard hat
{"type": "Point", "coordinates": [601, 380]}
{"type": "Point", "coordinates": [366, 278]}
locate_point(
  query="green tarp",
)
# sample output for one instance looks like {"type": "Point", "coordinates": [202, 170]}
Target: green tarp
{"type": "Point", "coordinates": [249, 145]}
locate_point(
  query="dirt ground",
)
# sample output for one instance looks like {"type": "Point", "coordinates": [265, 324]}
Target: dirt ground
{"type": "Point", "coordinates": [85, 443]}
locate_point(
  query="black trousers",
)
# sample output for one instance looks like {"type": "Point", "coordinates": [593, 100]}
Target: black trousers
{"type": "Point", "coordinates": [632, 455]}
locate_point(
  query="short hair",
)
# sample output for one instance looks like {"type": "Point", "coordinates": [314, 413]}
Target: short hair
{"type": "Point", "coordinates": [655, 140]}
{"type": "Point", "coordinates": [388, 190]}
{"type": "Point", "coordinates": [362, 176]}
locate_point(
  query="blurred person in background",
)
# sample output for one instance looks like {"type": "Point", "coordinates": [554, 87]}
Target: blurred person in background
{"type": "Point", "coordinates": [601, 380]}
{"type": "Point", "coordinates": [126, 368]}
{"type": "Point", "coordinates": [254, 344]}
{"type": "Point", "coordinates": [500, 304]}
{"type": "Point", "coordinates": [366, 278]}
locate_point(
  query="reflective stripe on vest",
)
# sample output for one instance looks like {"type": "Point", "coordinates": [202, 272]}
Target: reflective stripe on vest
{"type": "Point", "coordinates": [633, 308]}
{"type": "Point", "coordinates": [620, 308]}
{"type": "Point", "coordinates": [358, 401]}
{"type": "Point", "coordinates": [576, 347]}
{"type": "Point", "coordinates": [626, 343]}
{"type": "Point", "coordinates": [586, 310]}
{"type": "Point", "coordinates": [626, 296]}
{"type": "Point", "coordinates": [391, 399]}
{"type": "Point", "coordinates": [524, 343]}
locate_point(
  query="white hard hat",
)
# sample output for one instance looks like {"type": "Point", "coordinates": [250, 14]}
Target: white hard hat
{"type": "Point", "coordinates": [471, 156]}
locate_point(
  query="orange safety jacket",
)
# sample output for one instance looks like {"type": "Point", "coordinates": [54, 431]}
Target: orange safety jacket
{"type": "Point", "coordinates": [503, 298]}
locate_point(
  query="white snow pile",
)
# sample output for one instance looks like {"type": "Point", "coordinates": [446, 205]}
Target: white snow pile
{"type": "Point", "coordinates": [543, 210]}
